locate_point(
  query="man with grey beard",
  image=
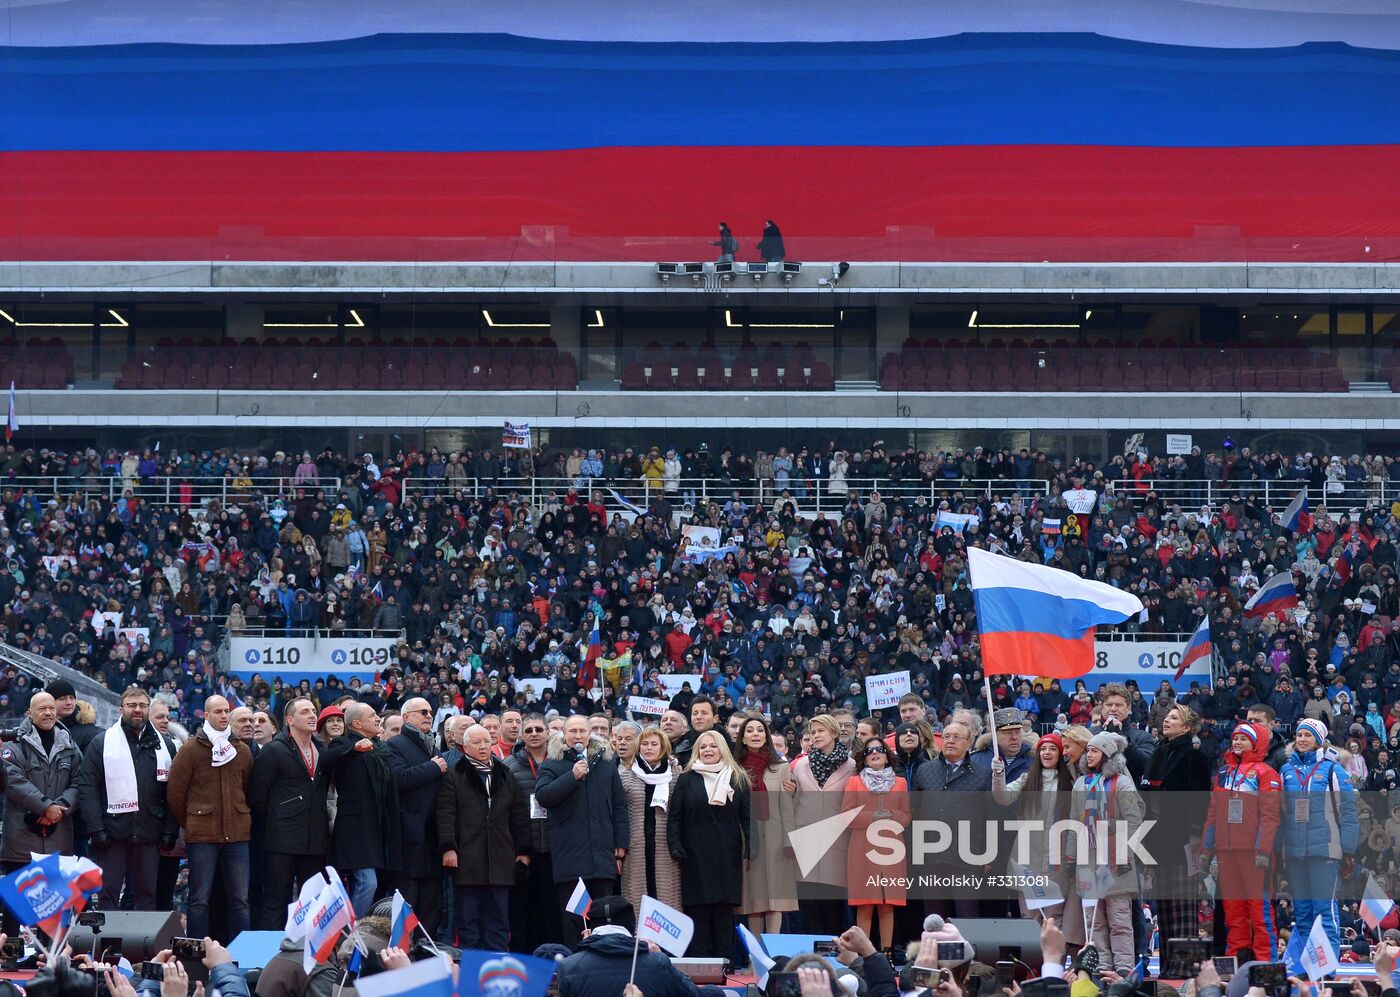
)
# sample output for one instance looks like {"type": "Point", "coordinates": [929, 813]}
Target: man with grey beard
{"type": "Point", "coordinates": [418, 773]}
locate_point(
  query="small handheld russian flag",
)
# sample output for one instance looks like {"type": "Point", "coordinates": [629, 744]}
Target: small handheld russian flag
{"type": "Point", "coordinates": [579, 900]}
{"type": "Point", "coordinates": [405, 922]}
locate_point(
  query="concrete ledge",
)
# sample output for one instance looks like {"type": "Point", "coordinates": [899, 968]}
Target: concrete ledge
{"type": "Point", "coordinates": [502, 280]}
{"type": "Point", "coordinates": [930, 410]}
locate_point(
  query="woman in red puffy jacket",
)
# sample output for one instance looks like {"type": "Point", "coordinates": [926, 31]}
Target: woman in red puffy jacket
{"type": "Point", "coordinates": [1241, 825]}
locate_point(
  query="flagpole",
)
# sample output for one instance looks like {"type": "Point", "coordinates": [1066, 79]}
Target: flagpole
{"type": "Point", "coordinates": [636, 947]}
{"type": "Point", "coordinates": [991, 714]}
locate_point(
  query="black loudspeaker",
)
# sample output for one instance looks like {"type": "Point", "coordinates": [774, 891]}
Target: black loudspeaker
{"type": "Point", "coordinates": [143, 933]}
{"type": "Point", "coordinates": [988, 934]}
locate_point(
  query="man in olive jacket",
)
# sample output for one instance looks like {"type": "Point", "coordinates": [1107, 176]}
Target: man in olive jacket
{"type": "Point", "coordinates": [483, 827]}
{"type": "Point", "coordinates": [208, 796]}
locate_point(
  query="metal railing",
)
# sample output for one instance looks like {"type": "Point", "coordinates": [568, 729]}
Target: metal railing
{"type": "Point", "coordinates": [617, 494]}
{"type": "Point", "coordinates": [809, 497]}
{"type": "Point", "coordinates": [164, 490]}
{"type": "Point", "coordinates": [311, 633]}
{"type": "Point", "coordinates": [104, 701]}
{"type": "Point", "coordinates": [1273, 492]}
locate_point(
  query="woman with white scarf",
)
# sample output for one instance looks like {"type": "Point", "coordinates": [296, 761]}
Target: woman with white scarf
{"type": "Point", "coordinates": [648, 771]}
{"type": "Point", "coordinates": [708, 833]}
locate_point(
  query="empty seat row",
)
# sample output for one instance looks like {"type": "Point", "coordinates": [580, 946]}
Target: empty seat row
{"type": "Point", "coordinates": [1124, 369]}
{"type": "Point", "coordinates": [765, 376]}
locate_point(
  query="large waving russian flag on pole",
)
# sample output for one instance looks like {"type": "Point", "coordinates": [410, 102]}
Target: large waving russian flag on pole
{"type": "Point", "coordinates": [886, 130]}
{"type": "Point", "coordinates": [1277, 595]}
{"type": "Point", "coordinates": [1036, 620]}
{"type": "Point", "coordinates": [1295, 516]}
{"type": "Point", "coordinates": [1197, 647]}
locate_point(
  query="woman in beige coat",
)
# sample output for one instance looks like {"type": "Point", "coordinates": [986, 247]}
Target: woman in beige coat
{"type": "Point", "coordinates": [770, 877]}
{"type": "Point", "coordinates": [648, 772]}
{"type": "Point", "coordinates": [821, 776]}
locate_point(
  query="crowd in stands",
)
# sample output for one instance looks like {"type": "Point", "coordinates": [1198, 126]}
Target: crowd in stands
{"type": "Point", "coordinates": [783, 624]}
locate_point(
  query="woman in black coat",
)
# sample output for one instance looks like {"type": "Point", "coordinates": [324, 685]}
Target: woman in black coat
{"type": "Point", "coordinates": [1176, 789]}
{"type": "Point", "coordinates": [708, 833]}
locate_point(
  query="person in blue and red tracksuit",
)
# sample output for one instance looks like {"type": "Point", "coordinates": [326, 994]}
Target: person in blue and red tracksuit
{"type": "Point", "coordinates": [1320, 826]}
{"type": "Point", "coordinates": [1241, 826]}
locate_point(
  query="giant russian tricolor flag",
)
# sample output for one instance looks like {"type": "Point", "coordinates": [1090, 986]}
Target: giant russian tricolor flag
{"type": "Point", "coordinates": [1036, 620]}
{"type": "Point", "coordinates": [539, 130]}
{"type": "Point", "coordinates": [1276, 595]}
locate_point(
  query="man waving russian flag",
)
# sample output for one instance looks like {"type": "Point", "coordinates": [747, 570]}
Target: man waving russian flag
{"type": "Point", "coordinates": [1036, 620]}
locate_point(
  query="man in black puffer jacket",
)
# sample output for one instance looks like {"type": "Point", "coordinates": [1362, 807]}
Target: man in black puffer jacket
{"type": "Point", "coordinates": [603, 962]}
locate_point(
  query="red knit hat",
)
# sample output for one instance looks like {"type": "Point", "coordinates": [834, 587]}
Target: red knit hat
{"type": "Point", "coordinates": [1053, 738]}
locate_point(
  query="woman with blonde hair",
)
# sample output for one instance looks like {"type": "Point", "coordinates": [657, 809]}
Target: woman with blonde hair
{"type": "Point", "coordinates": [648, 771]}
{"type": "Point", "coordinates": [1076, 739]}
{"type": "Point", "coordinates": [708, 834]}
{"type": "Point", "coordinates": [770, 879]}
{"type": "Point", "coordinates": [821, 776]}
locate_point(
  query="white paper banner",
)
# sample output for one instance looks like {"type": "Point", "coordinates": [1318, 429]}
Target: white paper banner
{"type": "Point", "coordinates": [882, 691]}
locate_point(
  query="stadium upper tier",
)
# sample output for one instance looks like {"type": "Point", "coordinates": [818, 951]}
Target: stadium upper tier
{"type": "Point", "coordinates": [883, 131]}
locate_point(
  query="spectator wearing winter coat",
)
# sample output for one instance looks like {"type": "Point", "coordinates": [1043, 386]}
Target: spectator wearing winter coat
{"type": "Point", "coordinates": [536, 891]}
{"type": "Point", "coordinates": [41, 792]}
{"type": "Point", "coordinates": [1241, 826]}
{"type": "Point", "coordinates": [1106, 790]}
{"type": "Point", "coordinates": [287, 793]}
{"type": "Point", "coordinates": [1174, 787]}
{"type": "Point", "coordinates": [953, 788]}
{"type": "Point", "coordinates": [602, 965]}
{"type": "Point", "coordinates": [418, 774]}
{"type": "Point", "coordinates": [79, 717]}
{"type": "Point", "coordinates": [581, 790]}
{"type": "Point", "coordinates": [365, 838]}
{"type": "Point", "coordinates": [483, 829]}
{"type": "Point", "coordinates": [207, 794]}
{"type": "Point", "coordinates": [122, 802]}
{"type": "Point", "coordinates": [1320, 825]}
